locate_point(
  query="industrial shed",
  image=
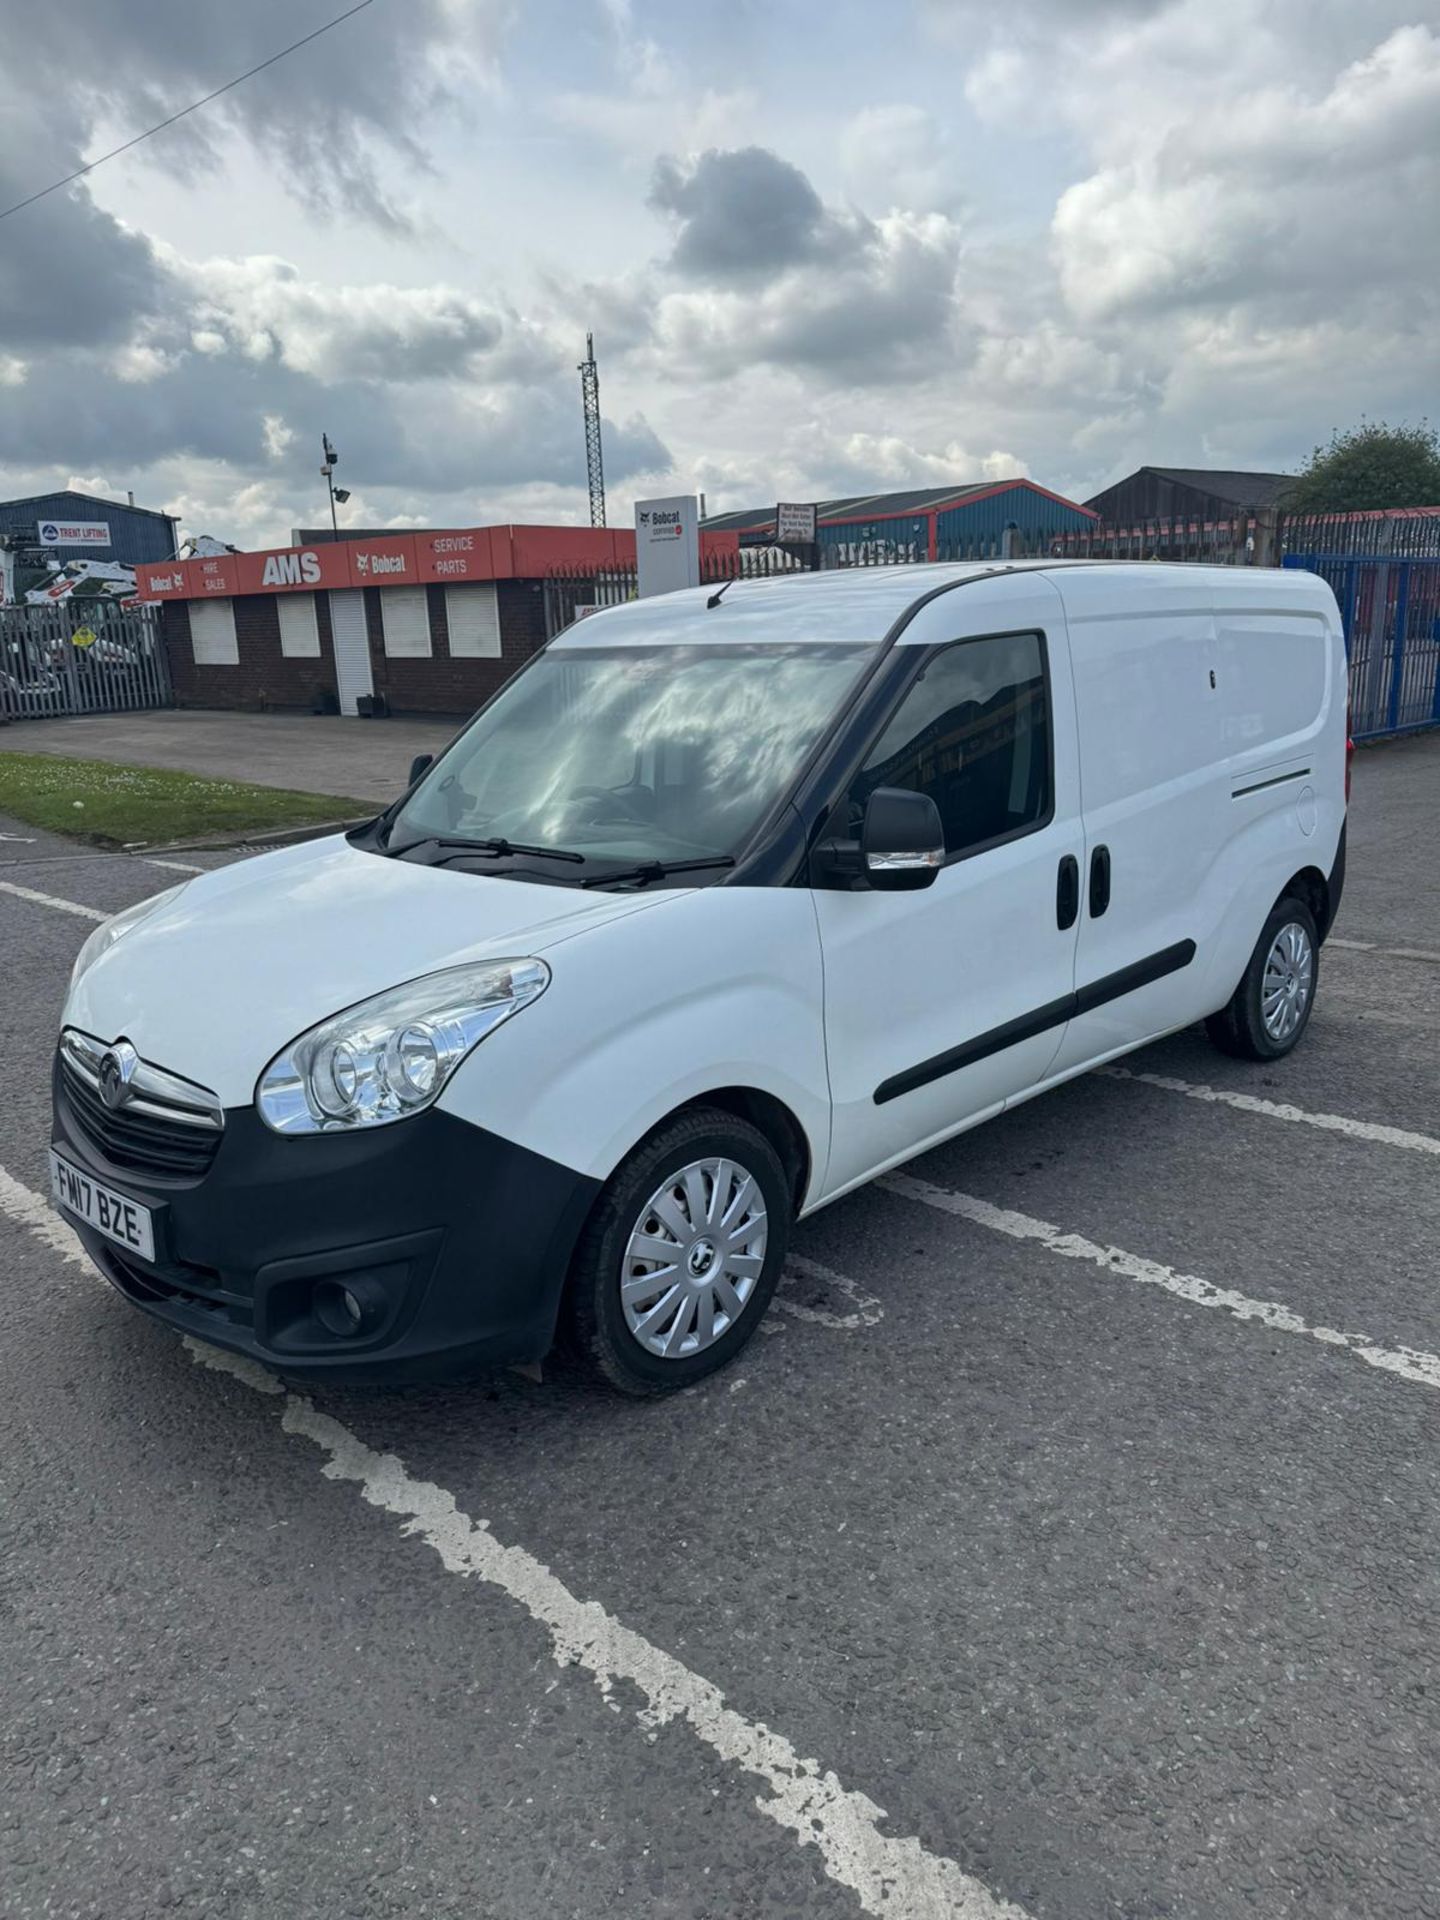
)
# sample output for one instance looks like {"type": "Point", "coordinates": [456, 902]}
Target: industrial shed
{"type": "Point", "coordinates": [926, 523]}
{"type": "Point", "coordinates": [100, 529]}
{"type": "Point", "coordinates": [1189, 493]}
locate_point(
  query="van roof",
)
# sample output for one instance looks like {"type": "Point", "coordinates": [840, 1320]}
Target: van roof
{"type": "Point", "coordinates": [861, 604]}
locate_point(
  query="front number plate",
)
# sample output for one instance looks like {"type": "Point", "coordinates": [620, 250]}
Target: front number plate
{"type": "Point", "coordinates": [119, 1218]}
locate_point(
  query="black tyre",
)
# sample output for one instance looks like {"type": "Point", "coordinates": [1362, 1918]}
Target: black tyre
{"type": "Point", "coordinates": [680, 1257]}
{"type": "Point", "coordinates": [1270, 1009]}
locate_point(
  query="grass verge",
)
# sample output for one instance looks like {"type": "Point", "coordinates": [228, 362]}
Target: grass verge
{"type": "Point", "coordinates": [112, 805]}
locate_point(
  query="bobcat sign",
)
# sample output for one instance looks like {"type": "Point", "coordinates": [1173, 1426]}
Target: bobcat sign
{"type": "Point", "coordinates": [667, 544]}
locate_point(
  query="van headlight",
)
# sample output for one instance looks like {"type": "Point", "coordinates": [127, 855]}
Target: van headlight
{"type": "Point", "coordinates": [117, 926]}
{"type": "Point", "coordinates": [389, 1057]}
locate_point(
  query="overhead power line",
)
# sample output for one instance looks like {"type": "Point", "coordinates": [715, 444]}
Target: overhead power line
{"type": "Point", "coordinates": [194, 107]}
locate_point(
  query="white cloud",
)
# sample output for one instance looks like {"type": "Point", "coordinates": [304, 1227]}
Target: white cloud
{"type": "Point", "coordinates": [1269, 197]}
{"type": "Point", "coordinates": [874, 304]}
{"type": "Point", "coordinates": [650, 105]}
{"type": "Point", "coordinates": [277, 436]}
{"type": "Point", "coordinates": [901, 154]}
{"type": "Point", "coordinates": [139, 363]}
{"type": "Point", "coordinates": [261, 306]}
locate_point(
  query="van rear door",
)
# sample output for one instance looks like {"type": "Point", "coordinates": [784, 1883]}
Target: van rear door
{"type": "Point", "coordinates": [1152, 778]}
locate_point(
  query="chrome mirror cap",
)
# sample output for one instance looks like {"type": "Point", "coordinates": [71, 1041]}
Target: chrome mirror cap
{"type": "Point", "coordinates": [916, 860]}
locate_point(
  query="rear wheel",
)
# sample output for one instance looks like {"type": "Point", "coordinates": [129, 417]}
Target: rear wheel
{"type": "Point", "coordinates": [681, 1255]}
{"type": "Point", "coordinates": [1270, 1009]}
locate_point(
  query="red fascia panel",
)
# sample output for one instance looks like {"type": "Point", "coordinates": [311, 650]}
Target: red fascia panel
{"type": "Point", "coordinates": [391, 562]}
{"type": "Point", "coordinates": [286, 570]}
{"type": "Point", "coordinates": [446, 557]}
{"type": "Point", "coordinates": [460, 554]}
{"type": "Point", "coordinates": [535, 550]}
{"type": "Point", "coordinates": [162, 580]}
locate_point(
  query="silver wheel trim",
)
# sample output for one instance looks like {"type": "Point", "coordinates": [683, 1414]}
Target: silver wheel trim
{"type": "Point", "coordinates": [1288, 979]}
{"type": "Point", "coordinates": [694, 1258]}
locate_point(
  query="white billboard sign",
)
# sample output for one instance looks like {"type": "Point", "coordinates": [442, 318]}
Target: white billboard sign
{"type": "Point", "coordinates": [667, 544]}
{"type": "Point", "coordinates": [73, 533]}
{"type": "Point", "coordinates": [794, 524]}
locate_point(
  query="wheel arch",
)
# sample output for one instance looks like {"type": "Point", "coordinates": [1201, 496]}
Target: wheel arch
{"type": "Point", "coordinates": [773, 1118]}
{"type": "Point", "coordinates": [1311, 886]}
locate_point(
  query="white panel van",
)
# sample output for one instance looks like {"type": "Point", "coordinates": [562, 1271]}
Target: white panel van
{"type": "Point", "coordinates": [729, 901]}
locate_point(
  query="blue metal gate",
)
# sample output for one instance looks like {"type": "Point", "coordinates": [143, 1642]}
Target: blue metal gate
{"type": "Point", "coordinates": [1391, 610]}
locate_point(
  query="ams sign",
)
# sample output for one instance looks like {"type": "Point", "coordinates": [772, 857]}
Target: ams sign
{"type": "Point", "coordinates": [291, 570]}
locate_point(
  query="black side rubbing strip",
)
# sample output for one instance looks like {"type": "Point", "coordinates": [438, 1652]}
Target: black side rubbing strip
{"type": "Point", "coordinates": [1140, 973]}
{"type": "Point", "coordinates": [1112, 987]}
{"type": "Point", "coordinates": [980, 1048]}
{"type": "Point", "coordinates": [1259, 786]}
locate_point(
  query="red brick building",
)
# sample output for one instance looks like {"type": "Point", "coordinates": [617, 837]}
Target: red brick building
{"type": "Point", "coordinates": [428, 622]}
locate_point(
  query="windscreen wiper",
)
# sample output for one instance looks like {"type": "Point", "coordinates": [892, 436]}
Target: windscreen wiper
{"type": "Point", "coordinates": [443, 844]}
{"type": "Point", "coordinates": [649, 870]}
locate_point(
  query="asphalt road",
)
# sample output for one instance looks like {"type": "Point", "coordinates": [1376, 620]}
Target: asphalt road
{"type": "Point", "coordinates": [1067, 1548]}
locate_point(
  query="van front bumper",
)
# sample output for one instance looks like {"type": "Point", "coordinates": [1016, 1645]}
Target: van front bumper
{"type": "Point", "coordinates": [455, 1243]}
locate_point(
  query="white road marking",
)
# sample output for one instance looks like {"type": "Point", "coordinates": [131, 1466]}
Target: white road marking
{"type": "Point", "coordinates": [1409, 1363]}
{"type": "Point", "coordinates": [53, 900]}
{"type": "Point", "coordinates": [866, 1311]}
{"type": "Point", "coordinates": [1387, 953]}
{"type": "Point", "coordinates": [895, 1878]}
{"type": "Point", "coordinates": [33, 1210]}
{"type": "Point", "coordinates": [1278, 1110]}
{"type": "Point", "coordinates": [177, 866]}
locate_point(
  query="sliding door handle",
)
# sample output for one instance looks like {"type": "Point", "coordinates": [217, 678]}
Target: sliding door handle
{"type": "Point", "coordinates": [1099, 881]}
{"type": "Point", "coordinates": [1067, 892]}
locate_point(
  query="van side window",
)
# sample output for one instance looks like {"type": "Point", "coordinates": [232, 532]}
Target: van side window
{"type": "Point", "coordinates": [974, 733]}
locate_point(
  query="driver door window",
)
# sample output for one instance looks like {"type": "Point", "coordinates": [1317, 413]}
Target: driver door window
{"type": "Point", "coordinates": [973, 733]}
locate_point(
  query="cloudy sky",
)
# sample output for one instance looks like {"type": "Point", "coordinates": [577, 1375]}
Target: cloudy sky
{"type": "Point", "coordinates": [822, 248]}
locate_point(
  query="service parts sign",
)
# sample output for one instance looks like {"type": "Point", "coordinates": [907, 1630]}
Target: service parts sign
{"type": "Point", "coordinates": [73, 533]}
{"type": "Point", "coordinates": [667, 544]}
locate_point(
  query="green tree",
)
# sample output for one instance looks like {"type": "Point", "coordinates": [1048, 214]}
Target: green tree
{"type": "Point", "coordinates": [1372, 465]}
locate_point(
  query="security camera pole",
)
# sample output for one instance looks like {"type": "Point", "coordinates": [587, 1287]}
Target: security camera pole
{"type": "Point", "coordinates": [328, 475]}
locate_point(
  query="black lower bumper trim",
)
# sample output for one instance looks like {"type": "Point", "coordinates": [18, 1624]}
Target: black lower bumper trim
{"type": "Point", "coordinates": [452, 1245]}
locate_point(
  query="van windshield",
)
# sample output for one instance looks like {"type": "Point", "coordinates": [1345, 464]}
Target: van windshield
{"type": "Point", "coordinates": [636, 754]}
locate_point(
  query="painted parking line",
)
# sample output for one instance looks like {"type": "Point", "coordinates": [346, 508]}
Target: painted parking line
{"type": "Point", "coordinates": [864, 1309]}
{"type": "Point", "coordinates": [1407, 1363]}
{"type": "Point", "coordinates": [1386, 953]}
{"type": "Point", "coordinates": [1282, 1110]}
{"type": "Point", "coordinates": [895, 1878]}
{"type": "Point", "coordinates": [175, 866]}
{"type": "Point", "coordinates": [54, 900]}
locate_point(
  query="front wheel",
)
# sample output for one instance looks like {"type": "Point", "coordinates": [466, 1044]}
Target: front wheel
{"type": "Point", "coordinates": [681, 1255]}
{"type": "Point", "coordinates": [1271, 1007]}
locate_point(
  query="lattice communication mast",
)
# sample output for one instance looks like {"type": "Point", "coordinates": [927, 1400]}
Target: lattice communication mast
{"type": "Point", "coordinates": [594, 461]}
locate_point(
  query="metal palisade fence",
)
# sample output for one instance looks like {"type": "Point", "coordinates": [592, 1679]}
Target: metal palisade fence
{"type": "Point", "coordinates": [1384, 568]}
{"type": "Point", "coordinates": [1385, 572]}
{"type": "Point", "coordinates": [87, 655]}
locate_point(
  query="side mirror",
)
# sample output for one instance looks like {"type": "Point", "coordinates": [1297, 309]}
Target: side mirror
{"type": "Point", "coordinates": [902, 841]}
{"type": "Point", "coordinates": [420, 764]}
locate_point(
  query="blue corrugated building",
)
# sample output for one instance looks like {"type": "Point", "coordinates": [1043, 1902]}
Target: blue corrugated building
{"type": "Point", "coordinates": [925, 523]}
{"type": "Point", "coordinates": [113, 529]}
